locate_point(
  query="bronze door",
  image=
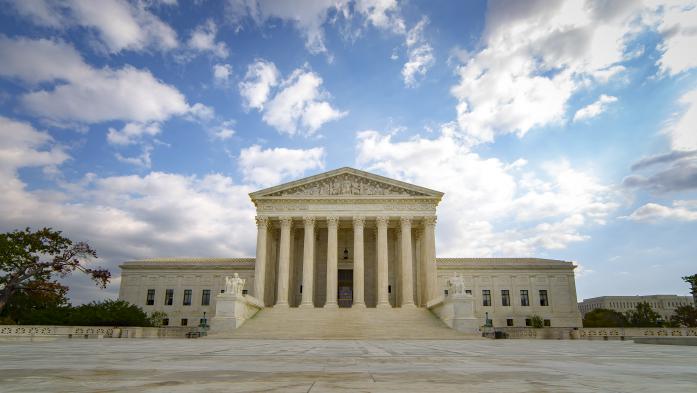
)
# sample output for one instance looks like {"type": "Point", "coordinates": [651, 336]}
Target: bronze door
{"type": "Point", "coordinates": [345, 288]}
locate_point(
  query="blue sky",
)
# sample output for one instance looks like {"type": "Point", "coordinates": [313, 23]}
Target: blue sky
{"type": "Point", "coordinates": [556, 129]}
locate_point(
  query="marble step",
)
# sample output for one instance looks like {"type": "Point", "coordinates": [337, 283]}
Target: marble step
{"type": "Point", "coordinates": [370, 323]}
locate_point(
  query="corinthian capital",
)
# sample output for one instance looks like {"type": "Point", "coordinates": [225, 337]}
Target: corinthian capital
{"type": "Point", "coordinates": [286, 222]}
{"type": "Point", "coordinates": [358, 221]}
{"type": "Point", "coordinates": [405, 221]}
{"type": "Point", "coordinates": [382, 221]}
{"type": "Point", "coordinates": [430, 221]}
{"type": "Point", "coordinates": [309, 221]}
{"type": "Point", "coordinates": [332, 221]}
{"type": "Point", "coordinates": [262, 221]}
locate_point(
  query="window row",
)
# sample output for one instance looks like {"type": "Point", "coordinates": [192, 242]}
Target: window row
{"type": "Point", "coordinates": [184, 322]}
{"type": "Point", "coordinates": [528, 322]}
{"type": "Point", "coordinates": [186, 300]}
{"type": "Point", "coordinates": [506, 298]}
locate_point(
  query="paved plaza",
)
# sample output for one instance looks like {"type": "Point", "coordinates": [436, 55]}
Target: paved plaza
{"type": "Point", "coordinates": [207, 365]}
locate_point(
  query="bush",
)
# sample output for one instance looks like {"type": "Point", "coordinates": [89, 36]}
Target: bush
{"type": "Point", "coordinates": [536, 321]}
{"type": "Point", "coordinates": [602, 317]}
{"type": "Point", "coordinates": [109, 313]}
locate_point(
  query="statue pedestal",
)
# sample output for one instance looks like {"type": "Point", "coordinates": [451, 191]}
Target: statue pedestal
{"type": "Point", "coordinates": [457, 311]}
{"type": "Point", "coordinates": [231, 311]}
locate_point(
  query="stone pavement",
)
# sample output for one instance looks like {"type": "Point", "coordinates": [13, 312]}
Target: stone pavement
{"type": "Point", "coordinates": [425, 366]}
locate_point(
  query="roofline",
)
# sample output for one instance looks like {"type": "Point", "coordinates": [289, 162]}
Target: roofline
{"type": "Point", "coordinates": [257, 194]}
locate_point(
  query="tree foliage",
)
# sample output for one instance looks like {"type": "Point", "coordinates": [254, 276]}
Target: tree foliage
{"type": "Point", "coordinates": [536, 321]}
{"type": "Point", "coordinates": [692, 280]}
{"type": "Point", "coordinates": [602, 317]}
{"type": "Point", "coordinates": [106, 313]}
{"type": "Point", "coordinates": [685, 316]}
{"type": "Point", "coordinates": [29, 260]}
{"type": "Point", "coordinates": [643, 316]}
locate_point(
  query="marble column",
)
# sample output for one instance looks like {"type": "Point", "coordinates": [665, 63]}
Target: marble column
{"type": "Point", "coordinates": [407, 272]}
{"type": "Point", "coordinates": [383, 283]}
{"type": "Point", "coordinates": [429, 253]}
{"type": "Point", "coordinates": [284, 263]}
{"type": "Point", "coordinates": [332, 263]}
{"type": "Point", "coordinates": [260, 263]}
{"type": "Point", "coordinates": [358, 263]}
{"type": "Point", "coordinates": [308, 263]}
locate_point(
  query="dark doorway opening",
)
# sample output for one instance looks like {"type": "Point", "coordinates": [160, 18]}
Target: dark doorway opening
{"type": "Point", "coordinates": [345, 288]}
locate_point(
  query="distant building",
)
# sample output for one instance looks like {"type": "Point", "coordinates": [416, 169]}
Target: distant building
{"type": "Point", "coordinates": [662, 304]}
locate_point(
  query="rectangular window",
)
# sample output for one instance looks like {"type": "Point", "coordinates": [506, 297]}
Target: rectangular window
{"type": "Point", "coordinates": [544, 300]}
{"type": "Point", "coordinates": [185, 321]}
{"type": "Point", "coordinates": [528, 322]}
{"type": "Point", "coordinates": [509, 322]}
{"type": "Point", "coordinates": [206, 297]}
{"type": "Point", "coordinates": [169, 297]}
{"type": "Point", "coordinates": [151, 297]}
{"type": "Point", "coordinates": [486, 297]}
{"type": "Point", "coordinates": [505, 298]}
{"type": "Point", "coordinates": [165, 321]}
{"type": "Point", "coordinates": [524, 299]}
{"type": "Point", "coordinates": [202, 322]}
{"type": "Point", "coordinates": [547, 322]}
{"type": "Point", "coordinates": [222, 291]}
{"type": "Point", "coordinates": [187, 297]}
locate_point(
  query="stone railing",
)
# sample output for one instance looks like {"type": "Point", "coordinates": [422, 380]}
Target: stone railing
{"type": "Point", "coordinates": [559, 333]}
{"type": "Point", "coordinates": [38, 331]}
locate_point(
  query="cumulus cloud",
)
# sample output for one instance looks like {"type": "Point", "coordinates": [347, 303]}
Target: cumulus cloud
{"type": "Point", "coordinates": [81, 93]}
{"type": "Point", "coordinates": [383, 14]}
{"type": "Point", "coordinates": [491, 207]}
{"type": "Point", "coordinates": [296, 105]}
{"type": "Point", "coordinates": [420, 54]}
{"type": "Point", "coordinates": [592, 110]}
{"type": "Point", "coordinates": [267, 167]}
{"type": "Point", "coordinates": [123, 217]}
{"type": "Point", "coordinates": [222, 73]}
{"type": "Point", "coordinates": [203, 40]}
{"type": "Point", "coordinates": [131, 133]}
{"type": "Point", "coordinates": [119, 25]}
{"type": "Point", "coordinates": [654, 212]}
{"type": "Point", "coordinates": [143, 160]}
{"type": "Point", "coordinates": [225, 130]}
{"type": "Point", "coordinates": [677, 23]}
{"type": "Point", "coordinates": [681, 130]}
{"type": "Point", "coordinates": [675, 171]}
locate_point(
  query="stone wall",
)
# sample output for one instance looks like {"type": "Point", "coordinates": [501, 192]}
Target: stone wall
{"type": "Point", "coordinates": [590, 333]}
{"type": "Point", "coordinates": [31, 331]}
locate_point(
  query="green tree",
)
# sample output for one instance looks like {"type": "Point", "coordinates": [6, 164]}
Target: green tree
{"type": "Point", "coordinates": [37, 297]}
{"type": "Point", "coordinates": [156, 318]}
{"type": "Point", "coordinates": [602, 317]}
{"type": "Point", "coordinates": [692, 280]}
{"type": "Point", "coordinates": [536, 321]}
{"type": "Point", "coordinates": [643, 316]}
{"type": "Point", "coordinates": [29, 258]}
{"type": "Point", "coordinates": [108, 313]}
{"type": "Point", "coordinates": [685, 316]}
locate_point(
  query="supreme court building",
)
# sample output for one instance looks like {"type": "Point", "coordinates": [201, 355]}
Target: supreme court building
{"type": "Point", "coordinates": [352, 239]}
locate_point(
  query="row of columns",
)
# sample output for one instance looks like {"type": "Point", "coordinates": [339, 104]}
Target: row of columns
{"type": "Point", "coordinates": [427, 259]}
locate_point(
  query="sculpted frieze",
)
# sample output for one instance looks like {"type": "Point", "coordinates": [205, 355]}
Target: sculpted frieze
{"type": "Point", "coordinates": [347, 184]}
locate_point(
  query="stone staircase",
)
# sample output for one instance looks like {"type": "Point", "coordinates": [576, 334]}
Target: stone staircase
{"type": "Point", "coordinates": [344, 323]}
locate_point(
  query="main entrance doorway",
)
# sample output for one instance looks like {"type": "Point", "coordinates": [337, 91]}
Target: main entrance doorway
{"type": "Point", "coordinates": [345, 294]}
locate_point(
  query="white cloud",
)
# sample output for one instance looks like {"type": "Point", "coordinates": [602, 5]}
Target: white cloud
{"type": "Point", "coordinates": [267, 167]}
{"type": "Point", "coordinates": [225, 130]}
{"type": "Point", "coordinates": [120, 25]}
{"type": "Point", "coordinates": [594, 109]}
{"type": "Point", "coordinates": [132, 133]}
{"type": "Point", "coordinates": [491, 208]}
{"type": "Point", "coordinates": [84, 94]}
{"type": "Point", "coordinates": [419, 52]}
{"type": "Point", "coordinates": [533, 58]}
{"type": "Point", "coordinates": [383, 14]}
{"type": "Point", "coordinates": [678, 25]}
{"type": "Point", "coordinates": [653, 212]}
{"type": "Point", "coordinates": [222, 73]}
{"type": "Point", "coordinates": [23, 146]}
{"type": "Point", "coordinates": [143, 160]}
{"type": "Point", "coordinates": [308, 17]}
{"type": "Point", "coordinates": [297, 106]}
{"type": "Point", "coordinates": [123, 217]}
{"type": "Point", "coordinates": [681, 130]}
{"type": "Point", "coordinates": [261, 76]}
{"type": "Point", "coordinates": [203, 40]}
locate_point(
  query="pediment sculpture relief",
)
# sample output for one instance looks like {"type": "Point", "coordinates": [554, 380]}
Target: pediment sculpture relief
{"type": "Point", "coordinates": [347, 184]}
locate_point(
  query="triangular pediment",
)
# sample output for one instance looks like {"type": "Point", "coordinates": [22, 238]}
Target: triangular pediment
{"type": "Point", "coordinates": [346, 182]}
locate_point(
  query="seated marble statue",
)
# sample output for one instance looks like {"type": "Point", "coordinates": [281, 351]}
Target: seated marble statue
{"type": "Point", "coordinates": [456, 285]}
{"type": "Point", "coordinates": [234, 285]}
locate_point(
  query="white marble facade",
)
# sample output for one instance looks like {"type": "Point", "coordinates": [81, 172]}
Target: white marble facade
{"type": "Point", "coordinates": [348, 238]}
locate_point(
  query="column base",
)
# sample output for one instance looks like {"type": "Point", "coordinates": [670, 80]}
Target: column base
{"type": "Point", "coordinates": [281, 305]}
{"type": "Point", "coordinates": [331, 306]}
{"type": "Point", "coordinates": [358, 305]}
{"type": "Point", "coordinates": [409, 305]}
{"type": "Point", "coordinates": [383, 305]}
{"type": "Point", "coordinates": [306, 305]}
